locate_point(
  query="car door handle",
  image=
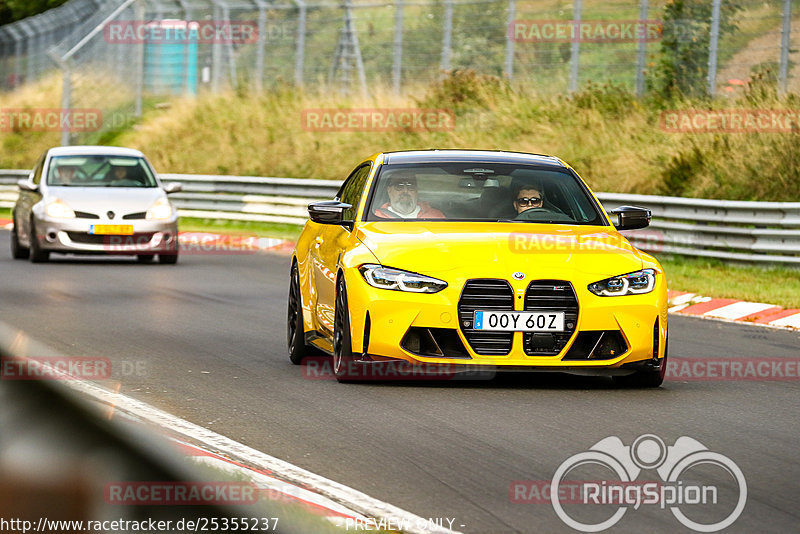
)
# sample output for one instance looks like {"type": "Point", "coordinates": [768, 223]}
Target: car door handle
{"type": "Point", "coordinates": [318, 240]}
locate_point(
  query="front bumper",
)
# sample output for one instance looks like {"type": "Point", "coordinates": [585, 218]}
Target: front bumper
{"type": "Point", "coordinates": [381, 321]}
{"type": "Point", "coordinates": [73, 236]}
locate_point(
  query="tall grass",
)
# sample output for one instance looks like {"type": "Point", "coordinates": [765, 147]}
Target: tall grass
{"type": "Point", "coordinates": [610, 137]}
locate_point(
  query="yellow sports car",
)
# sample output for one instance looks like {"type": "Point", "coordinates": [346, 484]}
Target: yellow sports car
{"type": "Point", "coordinates": [465, 260]}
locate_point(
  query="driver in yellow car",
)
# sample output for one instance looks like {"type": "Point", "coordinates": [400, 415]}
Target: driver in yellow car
{"type": "Point", "coordinates": [527, 197]}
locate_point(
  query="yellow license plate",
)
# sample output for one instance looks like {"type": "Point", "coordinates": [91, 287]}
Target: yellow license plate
{"type": "Point", "coordinates": [111, 229]}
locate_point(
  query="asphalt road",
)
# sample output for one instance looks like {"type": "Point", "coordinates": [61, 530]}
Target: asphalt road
{"type": "Point", "coordinates": [205, 340]}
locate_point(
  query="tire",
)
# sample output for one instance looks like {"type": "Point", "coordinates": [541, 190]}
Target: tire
{"type": "Point", "coordinates": [18, 252]}
{"type": "Point", "coordinates": [37, 255]}
{"type": "Point", "coordinates": [145, 258]}
{"type": "Point", "coordinates": [646, 379]}
{"type": "Point", "coordinates": [343, 361]}
{"type": "Point", "coordinates": [295, 331]}
{"type": "Point", "coordinates": [169, 258]}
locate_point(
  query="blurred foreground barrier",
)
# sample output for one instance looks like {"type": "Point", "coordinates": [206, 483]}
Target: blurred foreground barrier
{"type": "Point", "coordinates": [763, 232]}
{"type": "Point", "coordinates": [65, 466]}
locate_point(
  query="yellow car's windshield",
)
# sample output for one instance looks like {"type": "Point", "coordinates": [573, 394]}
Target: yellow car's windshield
{"type": "Point", "coordinates": [469, 191]}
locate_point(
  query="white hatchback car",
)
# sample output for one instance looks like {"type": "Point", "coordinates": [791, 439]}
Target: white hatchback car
{"type": "Point", "coordinates": [94, 200]}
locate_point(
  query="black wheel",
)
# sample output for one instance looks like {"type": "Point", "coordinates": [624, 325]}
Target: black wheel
{"type": "Point", "coordinates": [170, 257]}
{"type": "Point", "coordinates": [343, 361]}
{"type": "Point", "coordinates": [37, 255]}
{"type": "Point", "coordinates": [145, 258]}
{"type": "Point", "coordinates": [18, 252]}
{"type": "Point", "coordinates": [646, 379]}
{"type": "Point", "coordinates": [295, 332]}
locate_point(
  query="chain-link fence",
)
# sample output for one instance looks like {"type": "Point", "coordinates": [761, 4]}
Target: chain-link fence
{"type": "Point", "coordinates": [112, 54]}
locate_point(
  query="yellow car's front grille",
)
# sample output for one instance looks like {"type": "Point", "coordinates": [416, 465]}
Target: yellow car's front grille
{"type": "Point", "coordinates": [550, 296]}
{"type": "Point", "coordinates": [485, 294]}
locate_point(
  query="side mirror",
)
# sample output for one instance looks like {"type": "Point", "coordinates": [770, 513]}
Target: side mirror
{"type": "Point", "coordinates": [27, 185]}
{"type": "Point", "coordinates": [631, 217]}
{"type": "Point", "coordinates": [328, 211]}
{"type": "Point", "coordinates": [172, 187]}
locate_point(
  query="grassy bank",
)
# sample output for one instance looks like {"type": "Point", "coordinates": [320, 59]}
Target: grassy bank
{"type": "Point", "coordinates": [613, 139]}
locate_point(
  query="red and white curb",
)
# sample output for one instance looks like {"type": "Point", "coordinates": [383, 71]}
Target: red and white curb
{"type": "Point", "coordinates": [270, 487]}
{"type": "Point", "coordinates": [334, 501]}
{"type": "Point", "coordinates": [735, 310]}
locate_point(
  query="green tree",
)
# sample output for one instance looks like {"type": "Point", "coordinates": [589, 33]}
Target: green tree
{"type": "Point", "coordinates": [14, 10]}
{"type": "Point", "coordinates": [683, 63]}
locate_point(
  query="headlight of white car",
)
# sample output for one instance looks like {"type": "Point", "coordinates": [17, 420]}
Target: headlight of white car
{"type": "Point", "coordinates": [636, 283]}
{"type": "Point", "coordinates": [161, 209]}
{"type": "Point", "coordinates": [59, 209]}
{"type": "Point", "coordinates": [397, 280]}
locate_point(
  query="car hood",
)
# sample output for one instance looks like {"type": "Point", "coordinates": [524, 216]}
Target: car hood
{"type": "Point", "coordinates": [479, 249]}
{"type": "Point", "coordinates": [101, 199]}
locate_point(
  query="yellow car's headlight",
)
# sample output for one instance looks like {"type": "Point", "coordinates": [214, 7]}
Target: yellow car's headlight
{"type": "Point", "coordinates": [161, 209]}
{"type": "Point", "coordinates": [636, 283]}
{"type": "Point", "coordinates": [59, 209]}
{"type": "Point", "coordinates": [397, 280]}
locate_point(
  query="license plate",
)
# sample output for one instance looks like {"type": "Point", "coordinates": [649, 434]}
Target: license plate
{"type": "Point", "coordinates": [111, 229]}
{"type": "Point", "coordinates": [513, 321]}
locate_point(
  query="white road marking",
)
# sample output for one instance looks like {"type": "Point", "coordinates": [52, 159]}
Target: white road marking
{"type": "Point", "coordinates": [360, 504]}
{"type": "Point", "coordinates": [790, 320]}
{"type": "Point", "coordinates": [739, 309]}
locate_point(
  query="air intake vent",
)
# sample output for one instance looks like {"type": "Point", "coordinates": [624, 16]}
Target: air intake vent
{"type": "Point", "coordinates": [550, 296]}
{"type": "Point", "coordinates": [485, 294]}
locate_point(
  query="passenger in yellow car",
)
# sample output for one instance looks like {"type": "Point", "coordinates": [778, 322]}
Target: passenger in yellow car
{"type": "Point", "coordinates": [403, 202]}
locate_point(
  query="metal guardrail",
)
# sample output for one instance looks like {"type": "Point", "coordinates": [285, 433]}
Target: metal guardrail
{"type": "Point", "coordinates": [762, 232]}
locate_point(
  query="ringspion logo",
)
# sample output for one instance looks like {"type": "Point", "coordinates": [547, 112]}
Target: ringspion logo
{"type": "Point", "coordinates": [688, 473]}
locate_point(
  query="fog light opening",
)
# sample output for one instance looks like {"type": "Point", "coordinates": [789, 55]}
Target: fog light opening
{"type": "Point", "coordinates": [51, 236]}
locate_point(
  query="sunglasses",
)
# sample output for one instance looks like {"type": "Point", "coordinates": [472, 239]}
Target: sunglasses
{"type": "Point", "coordinates": [404, 185]}
{"type": "Point", "coordinates": [527, 201]}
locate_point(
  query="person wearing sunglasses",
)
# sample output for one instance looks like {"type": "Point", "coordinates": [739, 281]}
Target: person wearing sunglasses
{"type": "Point", "coordinates": [403, 201]}
{"type": "Point", "coordinates": [527, 197]}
